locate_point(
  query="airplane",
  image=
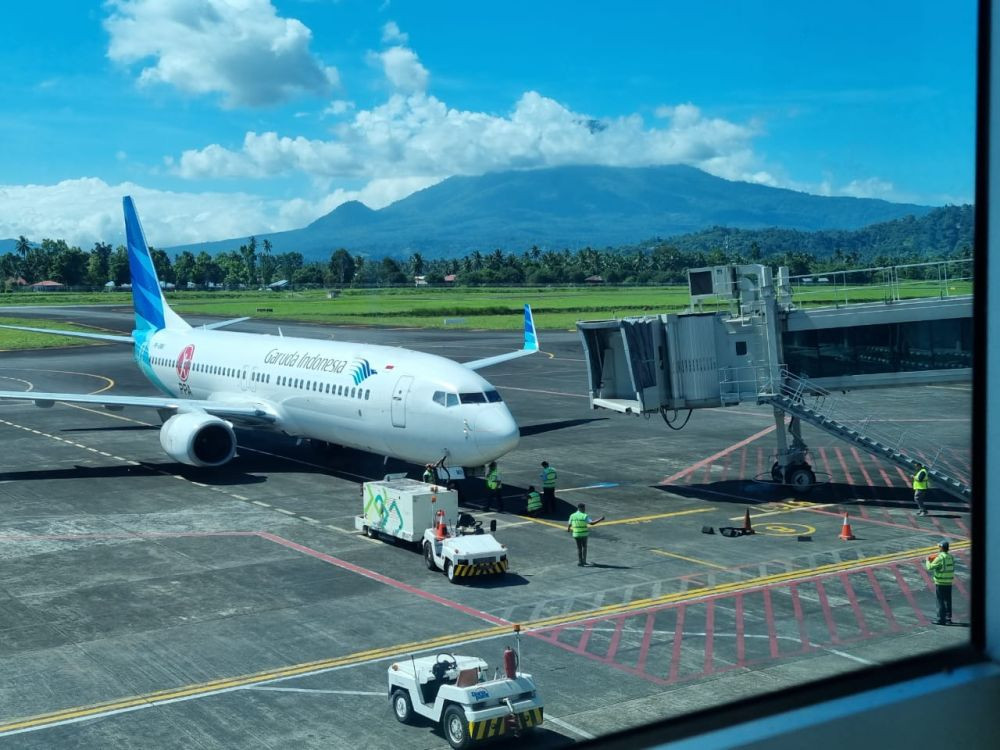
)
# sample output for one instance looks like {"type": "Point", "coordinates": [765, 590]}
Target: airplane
{"type": "Point", "coordinates": [391, 401]}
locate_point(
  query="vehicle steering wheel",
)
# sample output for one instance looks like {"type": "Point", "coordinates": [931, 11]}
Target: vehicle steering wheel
{"type": "Point", "coordinates": [443, 663]}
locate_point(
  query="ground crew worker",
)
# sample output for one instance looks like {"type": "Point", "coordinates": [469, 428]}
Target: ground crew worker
{"type": "Point", "coordinates": [579, 526]}
{"type": "Point", "coordinates": [429, 474]}
{"type": "Point", "coordinates": [548, 477]}
{"type": "Point", "coordinates": [534, 501]}
{"type": "Point", "coordinates": [921, 483]}
{"type": "Point", "coordinates": [942, 568]}
{"type": "Point", "coordinates": [494, 487]}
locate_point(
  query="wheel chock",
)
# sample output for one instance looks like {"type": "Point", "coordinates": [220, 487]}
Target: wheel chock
{"type": "Point", "coordinates": [804, 538]}
{"type": "Point", "coordinates": [731, 531]}
{"type": "Point", "coordinates": [707, 530]}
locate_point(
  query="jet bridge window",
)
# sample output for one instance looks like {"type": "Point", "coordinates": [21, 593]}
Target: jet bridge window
{"type": "Point", "coordinates": [472, 398]}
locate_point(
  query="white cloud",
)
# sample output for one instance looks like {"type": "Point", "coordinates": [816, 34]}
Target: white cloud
{"type": "Point", "coordinates": [871, 187]}
{"type": "Point", "coordinates": [403, 69]}
{"type": "Point", "coordinates": [392, 35]}
{"type": "Point", "coordinates": [87, 210]}
{"type": "Point", "coordinates": [241, 50]}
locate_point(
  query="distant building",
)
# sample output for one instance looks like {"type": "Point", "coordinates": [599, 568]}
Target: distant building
{"type": "Point", "coordinates": [278, 284]}
{"type": "Point", "coordinates": [47, 286]}
{"type": "Point", "coordinates": [420, 281]}
{"type": "Point", "coordinates": [451, 278]}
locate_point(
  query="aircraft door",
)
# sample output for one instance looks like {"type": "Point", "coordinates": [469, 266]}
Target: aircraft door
{"type": "Point", "coordinates": [245, 378]}
{"type": "Point", "coordinates": [398, 407]}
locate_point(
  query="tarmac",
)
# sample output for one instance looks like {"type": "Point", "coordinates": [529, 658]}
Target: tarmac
{"type": "Point", "coordinates": [148, 604]}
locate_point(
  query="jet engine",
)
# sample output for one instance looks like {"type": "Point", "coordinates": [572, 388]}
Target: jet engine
{"type": "Point", "coordinates": [198, 439]}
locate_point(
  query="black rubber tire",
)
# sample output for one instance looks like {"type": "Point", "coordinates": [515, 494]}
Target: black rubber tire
{"type": "Point", "coordinates": [402, 707]}
{"type": "Point", "coordinates": [802, 477]}
{"type": "Point", "coordinates": [371, 533]}
{"type": "Point", "coordinates": [776, 472]}
{"type": "Point", "coordinates": [429, 557]}
{"type": "Point", "coordinates": [455, 727]}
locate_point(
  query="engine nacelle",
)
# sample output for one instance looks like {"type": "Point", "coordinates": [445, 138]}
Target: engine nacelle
{"type": "Point", "coordinates": [198, 439]}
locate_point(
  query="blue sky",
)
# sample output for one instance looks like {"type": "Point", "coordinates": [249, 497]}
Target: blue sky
{"type": "Point", "coordinates": [225, 118]}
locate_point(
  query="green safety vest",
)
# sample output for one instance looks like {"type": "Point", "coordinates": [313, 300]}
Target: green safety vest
{"type": "Point", "coordinates": [578, 524]}
{"type": "Point", "coordinates": [920, 480]}
{"type": "Point", "coordinates": [534, 501]}
{"type": "Point", "coordinates": [428, 476]}
{"type": "Point", "coordinates": [942, 569]}
{"type": "Point", "coordinates": [549, 477]}
{"type": "Point", "coordinates": [493, 479]}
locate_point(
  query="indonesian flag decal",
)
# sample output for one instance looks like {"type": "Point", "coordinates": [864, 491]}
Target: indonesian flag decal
{"type": "Point", "coordinates": [389, 367]}
{"type": "Point", "coordinates": [184, 362]}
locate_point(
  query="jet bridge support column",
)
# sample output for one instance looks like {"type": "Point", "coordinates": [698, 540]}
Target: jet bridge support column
{"type": "Point", "coordinates": [791, 466]}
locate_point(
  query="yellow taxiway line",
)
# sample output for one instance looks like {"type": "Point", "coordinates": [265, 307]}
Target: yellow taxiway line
{"type": "Point", "coordinates": [226, 684]}
{"type": "Point", "coordinates": [620, 521]}
{"type": "Point", "coordinates": [689, 559]}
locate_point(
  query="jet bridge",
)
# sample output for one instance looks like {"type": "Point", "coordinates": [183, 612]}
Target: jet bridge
{"type": "Point", "coordinates": [760, 346]}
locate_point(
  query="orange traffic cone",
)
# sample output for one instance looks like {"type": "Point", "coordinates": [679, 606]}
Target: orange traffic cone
{"type": "Point", "coordinates": [747, 528]}
{"type": "Point", "coordinates": [846, 534]}
{"type": "Point", "coordinates": [441, 531]}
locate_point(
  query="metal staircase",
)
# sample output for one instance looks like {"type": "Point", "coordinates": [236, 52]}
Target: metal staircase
{"type": "Point", "coordinates": [832, 413]}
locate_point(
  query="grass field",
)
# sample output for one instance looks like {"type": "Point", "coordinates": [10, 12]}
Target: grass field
{"type": "Point", "coordinates": [480, 308]}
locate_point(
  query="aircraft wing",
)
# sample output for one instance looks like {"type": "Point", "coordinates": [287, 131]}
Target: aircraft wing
{"type": "Point", "coordinates": [77, 334]}
{"type": "Point", "coordinates": [530, 346]}
{"type": "Point", "coordinates": [243, 412]}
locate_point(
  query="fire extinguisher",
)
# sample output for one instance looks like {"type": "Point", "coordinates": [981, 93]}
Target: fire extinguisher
{"type": "Point", "coordinates": [510, 662]}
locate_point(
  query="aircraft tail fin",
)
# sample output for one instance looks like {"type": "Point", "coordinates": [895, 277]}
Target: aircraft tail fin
{"type": "Point", "coordinates": [152, 313]}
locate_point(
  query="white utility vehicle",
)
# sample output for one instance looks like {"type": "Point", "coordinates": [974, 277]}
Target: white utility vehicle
{"type": "Point", "coordinates": [428, 515]}
{"type": "Point", "coordinates": [456, 692]}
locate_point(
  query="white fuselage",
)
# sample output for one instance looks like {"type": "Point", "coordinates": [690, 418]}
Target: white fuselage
{"type": "Point", "coordinates": [387, 400]}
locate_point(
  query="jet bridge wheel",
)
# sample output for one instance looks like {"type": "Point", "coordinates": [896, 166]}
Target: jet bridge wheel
{"type": "Point", "coordinates": [401, 705]}
{"type": "Point", "coordinates": [456, 728]}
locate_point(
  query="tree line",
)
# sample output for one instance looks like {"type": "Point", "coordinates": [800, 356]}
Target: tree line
{"type": "Point", "coordinates": [943, 234]}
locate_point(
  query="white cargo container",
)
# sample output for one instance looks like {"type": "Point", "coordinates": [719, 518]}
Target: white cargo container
{"type": "Point", "coordinates": [404, 508]}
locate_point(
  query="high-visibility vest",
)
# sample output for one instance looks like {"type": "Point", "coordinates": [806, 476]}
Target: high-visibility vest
{"type": "Point", "coordinates": [548, 477]}
{"type": "Point", "coordinates": [578, 524]}
{"type": "Point", "coordinates": [942, 569]}
{"type": "Point", "coordinates": [428, 476]}
{"type": "Point", "coordinates": [534, 501]}
{"type": "Point", "coordinates": [493, 479]}
{"type": "Point", "coordinates": [920, 481]}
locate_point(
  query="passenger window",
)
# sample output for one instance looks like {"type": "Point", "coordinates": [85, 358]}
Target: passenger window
{"type": "Point", "coordinates": [367, 394]}
{"type": "Point", "coordinates": [352, 393]}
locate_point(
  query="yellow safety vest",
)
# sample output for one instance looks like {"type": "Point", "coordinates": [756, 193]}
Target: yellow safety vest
{"type": "Point", "coordinates": [534, 501]}
{"type": "Point", "coordinates": [578, 524]}
{"type": "Point", "coordinates": [548, 477]}
{"type": "Point", "coordinates": [942, 569]}
{"type": "Point", "coordinates": [920, 481]}
{"type": "Point", "coordinates": [493, 479]}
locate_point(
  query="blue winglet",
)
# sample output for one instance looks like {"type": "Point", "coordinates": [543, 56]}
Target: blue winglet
{"type": "Point", "coordinates": [530, 336]}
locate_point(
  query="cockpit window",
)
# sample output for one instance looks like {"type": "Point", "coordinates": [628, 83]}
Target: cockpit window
{"type": "Point", "coordinates": [445, 399]}
{"type": "Point", "coordinates": [493, 397]}
{"type": "Point", "coordinates": [439, 398]}
{"type": "Point", "coordinates": [452, 399]}
{"type": "Point", "coordinates": [472, 398]}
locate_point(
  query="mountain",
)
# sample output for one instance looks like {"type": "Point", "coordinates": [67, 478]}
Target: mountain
{"type": "Point", "coordinates": [567, 207]}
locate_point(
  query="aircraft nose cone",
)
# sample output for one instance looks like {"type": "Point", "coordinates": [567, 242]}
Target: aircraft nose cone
{"type": "Point", "coordinates": [496, 432]}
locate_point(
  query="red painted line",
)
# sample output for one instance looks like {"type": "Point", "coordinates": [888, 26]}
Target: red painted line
{"type": "Point", "coordinates": [581, 646]}
{"type": "Point", "coordinates": [890, 524]}
{"type": "Point", "coordinates": [740, 645]}
{"type": "Point", "coordinates": [647, 637]}
{"type": "Point", "coordinates": [675, 660]}
{"type": "Point", "coordinates": [371, 574]}
{"type": "Point", "coordinates": [735, 446]}
{"type": "Point", "coordinates": [885, 476]}
{"type": "Point", "coordinates": [707, 475]}
{"type": "Point", "coordinates": [825, 460]}
{"type": "Point", "coordinates": [843, 465]}
{"type": "Point", "coordinates": [902, 475]}
{"type": "Point", "coordinates": [852, 597]}
{"type": "Point", "coordinates": [961, 524]}
{"type": "Point", "coordinates": [725, 466]}
{"type": "Point", "coordinates": [709, 635]}
{"type": "Point", "coordinates": [880, 595]}
{"type": "Point", "coordinates": [615, 640]}
{"type": "Point", "coordinates": [799, 617]}
{"type": "Point", "coordinates": [827, 612]}
{"type": "Point", "coordinates": [919, 565]}
{"type": "Point", "coordinates": [864, 471]}
{"type": "Point", "coordinates": [772, 633]}
{"type": "Point", "coordinates": [901, 582]}
{"type": "Point", "coordinates": [743, 462]}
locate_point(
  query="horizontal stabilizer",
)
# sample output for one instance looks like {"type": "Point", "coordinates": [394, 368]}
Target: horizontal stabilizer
{"type": "Point", "coordinates": [77, 334]}
{"type": "Point", "coordinates": [224, 323]}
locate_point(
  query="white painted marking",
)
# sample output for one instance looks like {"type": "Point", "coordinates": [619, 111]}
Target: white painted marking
{"type": "Point", "coordinates": [569, 727]}
{"type": "Point", "coordinates": [852, 657]}
{"type": "Point", "coordinates": [310, 520]}
{"type": "Point", "coordinates": [239, 497]}
{"type": "Point", "coordinates": [263, 505]}
{"type": "Point", "coordinates": [286, 512]}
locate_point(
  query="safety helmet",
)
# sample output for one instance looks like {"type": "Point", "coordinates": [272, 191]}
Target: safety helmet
{"type": "Point", "coordinates": [943, 544]}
